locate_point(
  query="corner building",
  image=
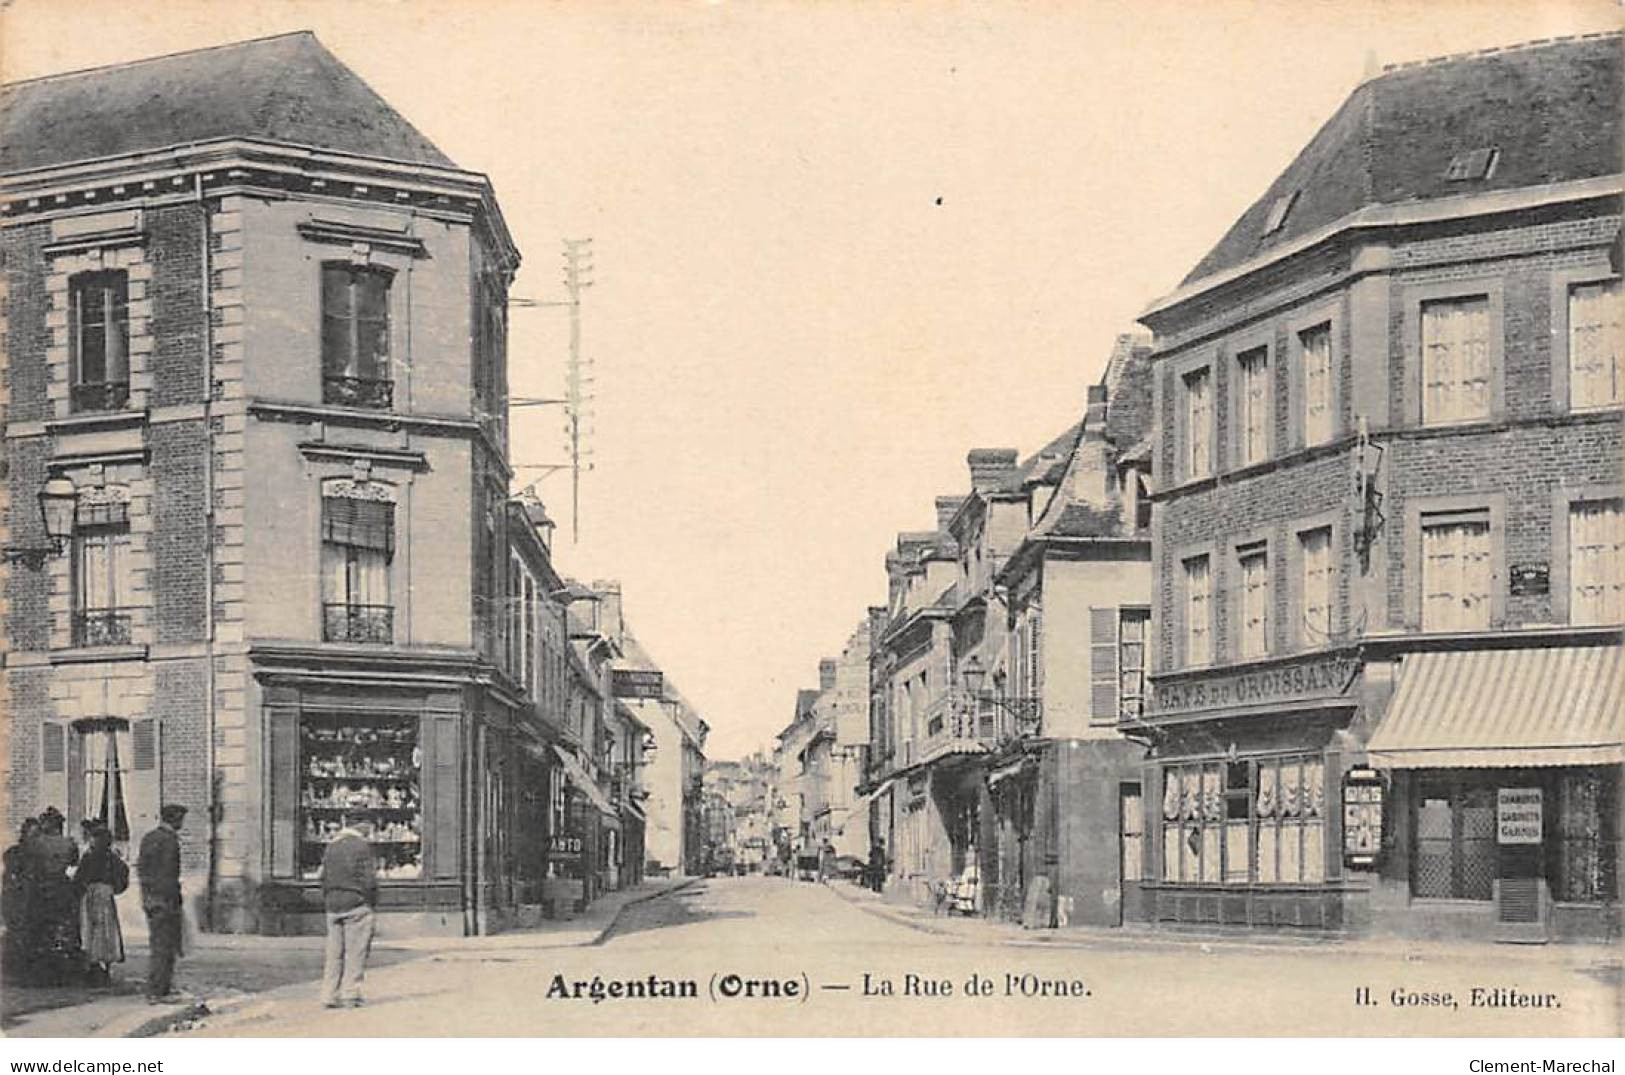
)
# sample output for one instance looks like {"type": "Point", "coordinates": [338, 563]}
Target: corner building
{"type": "Point", "coordinates": [1388, 688]}
{"type": "Point", "coordinates": [258, 321]}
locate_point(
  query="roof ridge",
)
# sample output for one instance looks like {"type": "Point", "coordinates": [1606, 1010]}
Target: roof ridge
{"type": "Point", "coordinates": [160, 56]}
{"type": "Point", "coordinates": [1493, 50]}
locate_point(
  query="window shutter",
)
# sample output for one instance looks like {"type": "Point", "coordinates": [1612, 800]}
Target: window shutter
{"type": "Point", "coordinates": [442, 796]}
{"type": "Point", "coordinates": [54, 765]}
{"type": "Point", "coordinates": [144, 790]}
{"type": "Point", "coordinates": [1035, 657]}
{"type": "Point", "coordinates": [362, 524]}
{"type": "Point", "coordinates": [284, 775]}
{"type": "Point", "coordinates": [1103, 664]}
{"type": "Point", "coordinates": [75, 804]}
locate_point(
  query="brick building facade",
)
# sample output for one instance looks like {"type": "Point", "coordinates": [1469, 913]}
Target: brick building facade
{"type": "Point", "coordinates": [1388, 531]}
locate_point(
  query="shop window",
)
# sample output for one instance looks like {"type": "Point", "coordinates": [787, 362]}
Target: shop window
{"type": "Point", "coordinates": [1587, 866]}
{"type": "Point", "coordinates": [1596, 562]}
{"type": "Point", "coordinates": [361, 767]}
{"type": "Point", "coordinates": [99, 334]}
{"type": "Point", "coordinates": [103, 575]}
{"type": "Point", "coordinates": [355, 336]}
{"type": "Point", "coordinates": [1596, 373]}
{"type": "Point", "coordinates": [1315, 347]}
{"type": "Point", "coordinates": [1198, 423]}
{"type": "Point", "coordinates": [1455, 854]}
{"type": "Point", "coordinates": [358, 544]}
{"type": "Point", "coordinates": [1244, 822]}
{"type": "Point", "coordinates": [1456, 571]}
{"type": "Point", "coordinates": [1315, 557]}
{"type": "Point", "coordinates": [1456, 360]}
{"type": "Point", "coordinates": [1254, 638]}
{"type": "Point", "coordinates": [1252, 397]}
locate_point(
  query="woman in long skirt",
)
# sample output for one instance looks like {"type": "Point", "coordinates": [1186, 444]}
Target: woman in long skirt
{"type": "Point", "coordinates": [101, 876]}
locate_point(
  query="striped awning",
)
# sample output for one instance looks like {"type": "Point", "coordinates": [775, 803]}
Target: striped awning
{"type": "Point", "coordinates": [1563, 705]}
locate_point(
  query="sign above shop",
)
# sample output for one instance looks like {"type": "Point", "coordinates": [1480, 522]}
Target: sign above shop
{"type": "Point", "coordinates": [636, 683]}
{"type": "Point", "coordinates": [1519, 817]}
{"type": "Point", "coordinates": [1327, 676]}
{"type": "Point", "coordinates": [1531, 579]}
{"type": "Point", "coordinates": [564, 848]}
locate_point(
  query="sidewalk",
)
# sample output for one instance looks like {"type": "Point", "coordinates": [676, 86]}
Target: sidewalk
{"type": "Point", "coordinates": [226, 971]}
{"type": "Point", "coordinates": [1596, 958]}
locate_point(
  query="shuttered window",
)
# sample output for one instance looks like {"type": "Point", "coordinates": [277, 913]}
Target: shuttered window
{"type": "Point", "coordinates": [1596, 562]}
{"type": "Point", "coordinates": [1315, 552]}
{"type": "Point", "coordinates": [1102, 665]}
{"type": "Point", "coordinates": [1315, 345]}
{"type": "Point", "coordinates": [1456, 360]}
{"type": "Point", "coordinates": [1198, 612]}
{"type": "Point", "coordinates": [1596, 369]}
{"type": "Point", "coordinates": [1252, 398]}
{"type": "Point", "coordinates": [1456, 574]}
{"type": "Point", "coordinates": [1198, 424]}
{"type": "Point", "coordinates": [1254, 640]}
{"type": "Point", "coordinates": [1133, 625]}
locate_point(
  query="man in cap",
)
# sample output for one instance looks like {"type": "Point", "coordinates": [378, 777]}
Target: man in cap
{"type": "Point", "coordinates": [159, 867]}
{"type": "Point", "coordinates": [349, 893]}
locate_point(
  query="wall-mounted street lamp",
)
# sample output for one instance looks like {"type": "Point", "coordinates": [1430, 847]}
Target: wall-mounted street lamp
{"type": "Point", "coordinates": [57, 501]}
{"type": "Point", "coordinates": [1026, 713]}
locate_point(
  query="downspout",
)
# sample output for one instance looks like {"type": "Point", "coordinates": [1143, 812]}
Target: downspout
{"type": "Point", "coordinates": [208, 554]}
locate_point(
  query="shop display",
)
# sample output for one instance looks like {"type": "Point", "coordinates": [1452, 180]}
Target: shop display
{"type": "Point", "coordinates": [362, 767]}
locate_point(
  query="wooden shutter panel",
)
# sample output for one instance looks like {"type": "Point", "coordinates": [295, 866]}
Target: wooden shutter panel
{"type": "Point", "coordinates": [75, 804]}
{"type": "Point", "coordinates": [1035, 658]}
{"type": "Point", "coordinates": [143, 792]}
{"type": "Point", "coordinates": [1103, 664]}
{"type": "Point", "coordinates": [53, 790]}
{"type": "Point", "coordinates": [442, 800]}
{"type": "Point", "coordinates": [284, 782]}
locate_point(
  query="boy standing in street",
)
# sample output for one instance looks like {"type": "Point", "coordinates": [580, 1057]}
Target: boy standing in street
{"type": "Point", "coordinates": [349, 893]}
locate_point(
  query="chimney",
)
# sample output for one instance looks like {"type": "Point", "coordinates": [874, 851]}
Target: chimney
{"type": "Point", "coordinates": [947, 506]}
{"type": "Point", "coordinates": [609, 607]}
{"type": "Point", "coordinates": [990, 466]}
{"type": "Point", "coordinates": [1094, 419]}
{"type": "Point", "coordinates": [826, 674]}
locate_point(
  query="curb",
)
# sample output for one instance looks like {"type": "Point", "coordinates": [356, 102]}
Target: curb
{"type": "Point", "coordinates": [603, 934]}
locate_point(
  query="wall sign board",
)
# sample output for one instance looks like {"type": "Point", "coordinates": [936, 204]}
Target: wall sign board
{"type": "Point", "coordinates": [1519, 816]}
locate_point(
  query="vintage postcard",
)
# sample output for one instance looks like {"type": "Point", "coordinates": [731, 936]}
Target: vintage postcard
{"type": "Point", "coordinates": [1008, 519]}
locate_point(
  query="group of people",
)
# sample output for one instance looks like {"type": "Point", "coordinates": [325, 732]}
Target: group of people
{"type": "Point", "coordinates": [60, 902]}
{"type": "Point", "coordinates": [61, 913]}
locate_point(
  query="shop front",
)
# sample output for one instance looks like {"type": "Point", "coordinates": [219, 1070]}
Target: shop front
{"type": "Point", "coordinates": [1011, 861]}
{"type": "Point", "coordinates": [1504, 816]}
{"type": "Point", "coordinates": [586, 830]}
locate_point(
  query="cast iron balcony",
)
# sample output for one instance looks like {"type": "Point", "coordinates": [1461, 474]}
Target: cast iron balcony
{"type": "Point", "coordinates": [102, 627]}
{"type": "Point", "coordinates": [100, 396]}
{"type": "Point", "coordinates": [358, 392]}
{"type": "Point", "coordinates": [358, 623]}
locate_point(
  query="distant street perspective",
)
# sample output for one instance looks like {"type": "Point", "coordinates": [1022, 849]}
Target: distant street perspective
{"type": "Point", "coordinates": [1274, 684]}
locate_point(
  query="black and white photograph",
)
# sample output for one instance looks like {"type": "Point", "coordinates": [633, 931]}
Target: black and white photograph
{"type": "Point", "coordinates": [807, 518]}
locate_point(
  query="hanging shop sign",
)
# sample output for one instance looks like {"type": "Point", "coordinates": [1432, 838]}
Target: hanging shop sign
{"type": "Point", "coordinates": [636, 683]}
{"type": "Point", "coordinates": [1364, 795]}
{"type": "Point", "coordinates": [1519, 816]}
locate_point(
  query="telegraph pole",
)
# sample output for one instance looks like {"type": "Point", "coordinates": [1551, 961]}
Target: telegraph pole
{"type": "Point", "coordinates": [577, 277]}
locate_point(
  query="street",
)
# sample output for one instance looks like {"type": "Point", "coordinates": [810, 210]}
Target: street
{"type": "Point", "coordinates": [772, 956]}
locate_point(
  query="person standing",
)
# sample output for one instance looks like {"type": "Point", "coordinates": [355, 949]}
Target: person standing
{"type": "Point", "coordinates": [54, 906]}
{"type": "Point", "coordinates": [101, 877]}
{"type": "Point", "coordinates": [349, 893]}
{"type": "Point", "coordinates": [159, 866]}
{"type": "Point", "coordinates": [18, 958]}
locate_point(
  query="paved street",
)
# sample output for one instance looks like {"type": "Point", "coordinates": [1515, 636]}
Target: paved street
{"type": "Point", "coordinates": [768, 955]}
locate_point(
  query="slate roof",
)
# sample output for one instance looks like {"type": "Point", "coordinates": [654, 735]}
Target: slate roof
{"type": "Point", "coordinates": [287, 89]}
{"type": "Point", "coordinates": [1551, 108]}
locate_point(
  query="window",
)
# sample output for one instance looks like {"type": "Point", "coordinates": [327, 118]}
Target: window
{"type": "Point", "coordinates": [1198, 612]}
{"type": "Point", "coordinates": [1132, 625]}
{"type": "Point", "coordinates": [1315, 346]}
{"type": "Point", "coordinates": [355, 336]}
{"type": "Point", "coordinates": [1278, 212]}
{"type": "Point", "coordinates": [1596, 562]}
{"type": "Point", "coordinates": [528, 673]}
{"type": "Point", "coordinates": [1472, 164]}
{"type": "Point", "coordinates": [1456, 572]}
{"type": "Point", "coordinates": [1198, 424]}
{"type": "Point", "coordinates": [1315, 555]}
{"type": "Point", "coordinates": [358, 544]}
{"type": "Point", "coordinates": [1455, 840]}
{"type": "Point", "coordinates": [103, 584]}
{"type": "Point", "coordinates": [99, 332]}
{"type": "Point", "coordinates": [104, 749]}
{"type": "Point", "coordinates": [1455, 360]}
{"type": "Point", "coordinates": [1245, 822]}
{"type": "Point", "coordinates": [1252, 406]}
{"type": "Point", "coordinates": [360, 765]}
{"type": "Point", "coordinates": [1596, 377]}
{"type": "Point", "coordinates": [1254, 638]}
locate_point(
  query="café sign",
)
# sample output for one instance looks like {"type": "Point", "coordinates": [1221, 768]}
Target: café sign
{"type": "Point", "coordinates": [1323, 677]}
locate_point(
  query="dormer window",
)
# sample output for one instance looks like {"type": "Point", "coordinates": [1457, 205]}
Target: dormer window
{"type": "Point", "coordinates": [1472, 164]}
{"type": "Point", "coordinates": [1278, 212]}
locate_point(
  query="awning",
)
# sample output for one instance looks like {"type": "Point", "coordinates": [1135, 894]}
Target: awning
{"type": "Point", "coordinates": [587, 785]}
{"type": "Point", "coordinates": [1563, 705]}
